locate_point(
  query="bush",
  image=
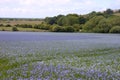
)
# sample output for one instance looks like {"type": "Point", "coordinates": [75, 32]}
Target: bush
{"type": "Point", "coordinates": [14, 29]}
{"type": "Point", "coordinates": [42, 26]}
{"type": "Point", "coordinates": [115, 29]}
{"type": "Point", "coordinates": [56, 29]}
{"type": "Point", "coordinates": [102, 27]}
{"type": "Point", "coordinates": [92, 23]}
{"type": "Point", "coordinates": [1, 25]}
{"type": "Point", "coordinates": [24, 25]}
{"type": "Point", "coordinates": [3, 29]}
{"type": "Point", "coordinates": [8, 25]}
{"type": "Point", "coordinates": [69, 29]}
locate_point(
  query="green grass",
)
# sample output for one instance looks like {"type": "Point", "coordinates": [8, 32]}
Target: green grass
{"type": "Point", "coordinates": [22, 29]}
{"type": "Point", "coordinates": [14, 22]}
{"type": "Point", "coordinates": [117, 14]}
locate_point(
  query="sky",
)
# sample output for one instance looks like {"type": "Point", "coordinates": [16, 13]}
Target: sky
{"type": "Point", "coordinates": [49, 8]}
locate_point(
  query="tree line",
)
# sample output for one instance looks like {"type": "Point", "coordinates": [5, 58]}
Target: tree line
{"type": "Point", "coordinates": [99, 22]}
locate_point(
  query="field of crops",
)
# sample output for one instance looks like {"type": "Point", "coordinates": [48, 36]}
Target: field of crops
{"type": "Point", "coordinates": [59, 56]}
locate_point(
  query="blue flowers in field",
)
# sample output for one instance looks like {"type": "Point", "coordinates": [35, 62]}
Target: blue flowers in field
{"type": "Point", "coordinates": [40, 71]}
{"type": "Point", "coordinates": [89, 59]}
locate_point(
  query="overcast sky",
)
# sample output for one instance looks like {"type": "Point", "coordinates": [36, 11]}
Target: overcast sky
{"type": "Point", "coordinates": [44, 8]}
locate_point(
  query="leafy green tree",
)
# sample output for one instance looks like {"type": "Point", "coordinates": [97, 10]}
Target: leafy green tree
{"type": "Point", "coordinates": [91, 15]}
{"type": "Point", "coordinates": [73, 20]}
{"type": "Point", "coordinates": [69, 29]}
{"type": "Point", "coordinates": [109, 11]}
{"type": "Point", "coordinates": [92, 23]}
{"type": "Point", "coordinates": [77, 27]}
{"type": "Point", "coordinates": [68, 20]}
{"type": "Point", "coordinates": [115, 29]}
{"type": "Point", "coordinates": [1, 25]}
{"type": "Point", "coordinates": [82, 20]}
{"type": "Point", "coordinates": [63, 21]}
{"type": "Point", "coordinates": [103, 26]}
{"type": "Point", "coordinates": [8, 25]}
{"type": "Point", "coordinates": [14, 29]}
{"type": "Point", "coordinates": [50, 20]}
{"type": "Point", "coordinates": [74, 15]}
{"type": "Point", "coordinates": [56, 28]}
{"type": "Point", "coordinates": [114, 20]}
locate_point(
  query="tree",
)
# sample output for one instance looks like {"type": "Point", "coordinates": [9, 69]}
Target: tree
{"type": "Point", "coordinates": [8, 25]}
{"type": "Point", "coordinates": [75, 15]}
{"type": "Point", "coordinates": [103, 26]}
{"type": "Point", "coordinates": [1, 25]}
{"type": "Point", "coordinates": [72, 20]}
{"type": "Point", "coordinates": [92, 23]}
{"type": "Point", "coordinates": [119, 10]}
{"type": "Point", "coordinates": [109, 11]}
{"type": "Point", "coordinates": [82, 20]}
{"type": "Point", "coordinates": [14, 29]}
{"type": "Point", "coordinates": [62, 21]}
{"type": "Point", "coordinates": [115, 29]}
{"type": "Point", "coordinates": [50, 20]}
{"type": "Point", "coordinates": [69, 29]}
{"type": "Point", "coordinates": [56, 28]}
{"type": "Point", "coordinates": [114, 20]}
{"type": "Point", "coordinates": [91, 15]}
{"type": "Point", "coordinates": [68, 20]}
{"type": "Point", "coordinates": [77, 27]}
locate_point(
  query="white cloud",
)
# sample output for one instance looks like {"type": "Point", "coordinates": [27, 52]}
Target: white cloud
{"type": "Point", "coordinates": [43, 8]}
{"type": "Point", "coordinates": [42, 2]}
{"type": "Point", "coordinates": [3, 1]}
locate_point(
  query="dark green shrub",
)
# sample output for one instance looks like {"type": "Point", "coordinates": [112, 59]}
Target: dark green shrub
{"type": "Point", "coordinates": [8, 25]}
{"type": "Point", "coordinates": [14, 29]}
{"type": "Point", "coordinates": [24, 25]}
{"type": "Point", "coordinates": [115, 29]}
{"type": "Point", "coordinates": [102, 27]}
{"type": "Point", "coordinates": [3, 29]}
{"type": "Point", "coordinates": [69, 29]}
{"type": "Point", "coordinates": [1, 25]}
{"type": "Point", "coordinates": [56, 29]}
{"type": "Point", "coordinates": [92, 23]}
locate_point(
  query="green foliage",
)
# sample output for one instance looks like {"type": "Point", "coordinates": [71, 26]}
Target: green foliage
{"type": "Point", "coordinates": [77, 27]}
{"type": "Point", "coordinates": [92, 23]}
{"type": "Point", "coordinates": [108, 11]}
{"type": "Point", "coordinates": [62, 21]}
{"type": "Point", "coordinates": [75, 15]}
{"type": "Point", "coordinates": [69, 29]}
{"type": "Point", "coordinates": [14, 29]}
{"type": "Point", "coordinates": [50, 20]}
{"type": "Point", "coordinates": [57, 28]}
{"type": "Point", "coordinates": [82, 20]}
{"type": "Point", "coordinates": [24, 25]}
{"type": "Point", "coordinates": [91, 15]}
{"type": "Point", "coordinates": [100, 22]}
{"type": "Point", "coordinates": [114, 20]}
{"type": "Point", "coordinates": [3, 29]}
{"type": "Point", "coordinates": [1, 25]}
{"type": "Point", "coordinates": [73, 20]}
{"type": "Point", "coordinates": [68, 20]}
{"type": "Point", "coordinates": [103, 26]}
{"type": "Point", "coordinates": [42, 26]}
{"type": "Point", "coordinates": [8, 25]}
{"type": "Point", "coordinates": [115, 29]}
